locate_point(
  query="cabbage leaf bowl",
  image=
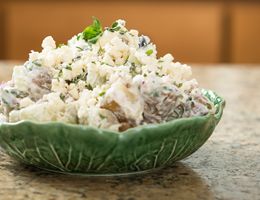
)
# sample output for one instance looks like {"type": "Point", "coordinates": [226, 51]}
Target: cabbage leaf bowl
{"type": "Point", "coordinates": [78, 149]}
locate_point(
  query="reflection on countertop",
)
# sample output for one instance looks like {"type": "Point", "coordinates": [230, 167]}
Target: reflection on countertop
{"type": "Point", "coordinates": [226, 167]}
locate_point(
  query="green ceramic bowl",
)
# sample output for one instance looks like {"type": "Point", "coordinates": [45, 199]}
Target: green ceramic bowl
{"type": "Point", "coordinates": [87, 150]}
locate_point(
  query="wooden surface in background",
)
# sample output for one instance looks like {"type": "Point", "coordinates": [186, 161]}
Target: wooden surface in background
{"type": "Point", "coordinates": [193, 31]}
{"type": "Point", "coordinates": [246, 33]}
{"type": "Point", "coordinates": [190, 31]}
{"type": "Point", "coordinates": [2, 36]}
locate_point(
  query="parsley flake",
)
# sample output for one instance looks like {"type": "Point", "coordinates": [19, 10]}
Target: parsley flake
{"type": "Point", "coordinates": [114, 27]}
{"type": "Point", "coordinates": [149, 52]}
{"type": "Point", "coordinates": [92, 33]}
{"type": "Point", "coordinates": [102, 93]}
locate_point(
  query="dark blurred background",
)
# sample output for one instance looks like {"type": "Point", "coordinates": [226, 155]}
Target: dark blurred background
{"type": "Point", "coordinates": [198, 31]}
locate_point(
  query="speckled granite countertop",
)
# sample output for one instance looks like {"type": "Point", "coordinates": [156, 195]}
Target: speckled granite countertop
{"type": "Point", "coordinates": [226, 167]}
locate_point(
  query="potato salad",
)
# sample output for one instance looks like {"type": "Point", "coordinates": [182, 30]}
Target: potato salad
{"type": "Point", "coordinates": [109, 78]}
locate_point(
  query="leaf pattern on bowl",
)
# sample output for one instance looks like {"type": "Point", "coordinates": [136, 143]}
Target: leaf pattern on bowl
{"type": "Point", "coordinates": [82, 149]}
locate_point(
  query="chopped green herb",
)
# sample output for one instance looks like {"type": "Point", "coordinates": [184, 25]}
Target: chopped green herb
{"type": "Point", "coordinates": [37, 63]}
{"type": "Point", "coordinates": [62, 97]}
{"type": "Point", "coordinates": [115, 24]}
{"type": "Point", "coordinates": [60, 73]}
{"type": "Point", "coordinates": [80, 48]}
{"type": "Point", "coordinates": [160, 61]}
{"type": "Point", "coordinates": [132, 69]}
{"type": "Point", "coordinates": [156, 94]}
{"type": "Point", "coordinates": [79, 36]}
{"type": "Point", "coordinates": [77, 58]}
{"type": "Point", "coordinates": [77, 78]}
{"type": "Point", "coordinates": [102, 93]}
{"type": "Point", "coordinates": [5, 101]}
{"type": "Point", "coordinates": [101, 51]}
{"type": "Point", "coordinates": [68, 67]}
{"type": "Point", "coordinates": [89, 87]}
{"type": "Point", "coordinates": [102, 116]}
{"type": "Point", "coordinates": [122, 32]}
{"type": "Point", "coordinates": [14, 92]}
{"type": "Point", "coordinates": [179, 85]}
{"type": "Point", "coordinates": [149, 52]}
{"type": "Point", "coordinates": [126, 60]}
{"type": "Point", "coordinates": [114, 27]}
{"type": "Point", "coordinates": [158, 74]}
{"type": "Point", "coordinates": [104, 63]}
{"type": "Point", "coordinates": [165, 87]}
{"type": "Point", "coordinates": [93, 32]}
{"type": "Point", "coordinates": [103, 79]}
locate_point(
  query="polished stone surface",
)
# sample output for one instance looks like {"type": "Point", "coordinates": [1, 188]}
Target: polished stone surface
{"type": "Point", "coordinates": [226, 167]}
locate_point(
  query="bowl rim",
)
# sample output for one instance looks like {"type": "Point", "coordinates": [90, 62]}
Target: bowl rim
{"type": "Point", "coordinates": [219, 102]}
